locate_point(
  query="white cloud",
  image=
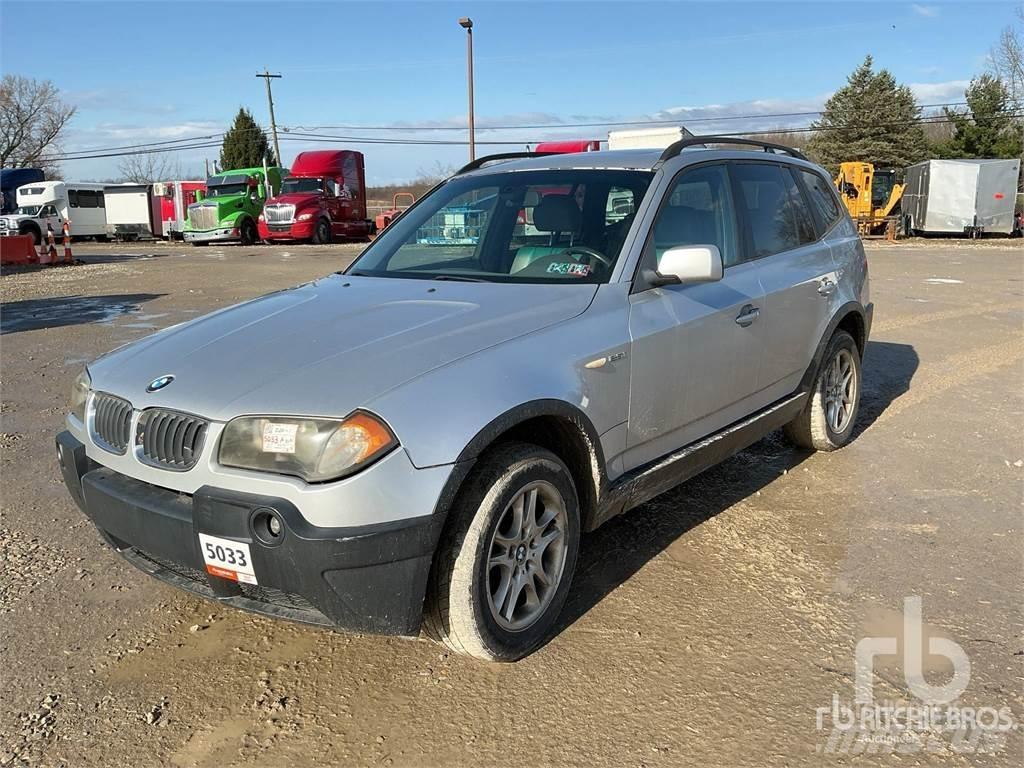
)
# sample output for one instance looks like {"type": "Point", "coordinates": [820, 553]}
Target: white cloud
{"type": "Point", "coordinates": [939, 93]}
{"type": "Point", "coordinates": [928, 11]}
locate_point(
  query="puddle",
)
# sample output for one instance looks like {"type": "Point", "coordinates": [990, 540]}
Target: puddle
{"type": "Point", "coordinates": [59, 311]}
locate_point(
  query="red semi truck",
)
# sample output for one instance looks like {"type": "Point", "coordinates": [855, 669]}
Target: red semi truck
{"type": "Point", "coordinates": [322, 199]}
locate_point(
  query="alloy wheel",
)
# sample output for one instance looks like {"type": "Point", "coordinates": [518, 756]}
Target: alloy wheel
{"type": "Point", "coordinates": [840, 391]}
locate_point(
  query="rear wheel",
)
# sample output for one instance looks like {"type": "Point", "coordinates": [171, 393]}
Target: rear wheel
{"type": "Point", "coordinates": [248, 233]}
{"type": "Point", "coordinates": [505, 564]}
{"type": "Point", "coordinates": [322, 233]}
{"type": "Point", "coordinates": [827, 420]}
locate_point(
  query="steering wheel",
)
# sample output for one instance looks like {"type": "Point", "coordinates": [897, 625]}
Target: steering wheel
{"type": "Point", "coordinates": [596, 255]}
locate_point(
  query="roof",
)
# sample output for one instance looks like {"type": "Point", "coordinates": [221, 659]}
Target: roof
{"type": "Point", "coordinates": [624, 159]}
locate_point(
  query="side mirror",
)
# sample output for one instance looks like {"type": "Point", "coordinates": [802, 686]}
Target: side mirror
{"type": "Point", "coordinates": [688, 264]}
{"type": "Point", "coordinates": [200, 195]}
{"type": "Point", "coordinates": [261, 191]}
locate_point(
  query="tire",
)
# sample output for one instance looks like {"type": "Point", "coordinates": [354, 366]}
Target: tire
{"type": "Point", "coordinates": [827, 420]}
{"type": "Point", "coordinates": [248, 233]}
{"type": "Point", "coordinates": [322, 233]}
{"type": "Point", "coordinates": [484, 576]}
{"type": "Point", "coordinates": [37, 235]}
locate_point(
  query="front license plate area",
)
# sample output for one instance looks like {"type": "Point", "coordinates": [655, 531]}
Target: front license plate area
{"type": "Point", "coordinates": [227, 559]}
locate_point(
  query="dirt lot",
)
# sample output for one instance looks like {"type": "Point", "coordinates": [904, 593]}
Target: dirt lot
{"type": "Point", "coordinates": [704, 628]}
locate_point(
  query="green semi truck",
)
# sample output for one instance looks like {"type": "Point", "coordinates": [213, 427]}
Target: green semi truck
{"type": "Point", "coordinates": [231, 205]}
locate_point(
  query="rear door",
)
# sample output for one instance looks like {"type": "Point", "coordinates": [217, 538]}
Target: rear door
{"type": "Point", "coordinates": [795, 267]}
{"type": "Point", "coordinates": [696, 349]}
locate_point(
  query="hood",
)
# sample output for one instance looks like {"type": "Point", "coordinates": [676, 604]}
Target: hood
{"type": "Point", "coordinates": [330, 346]}
{"type": "Point", "coordinates": [298, 199]}
{"type": "Point", "coordinates": [13, 219]}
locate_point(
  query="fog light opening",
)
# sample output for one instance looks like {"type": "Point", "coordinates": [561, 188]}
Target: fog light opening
{"type": "Point", "coordinates": [268, 526]}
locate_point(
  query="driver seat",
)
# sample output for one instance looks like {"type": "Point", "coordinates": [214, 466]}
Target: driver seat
{"type": "Point", "coordinates": [556, 214]}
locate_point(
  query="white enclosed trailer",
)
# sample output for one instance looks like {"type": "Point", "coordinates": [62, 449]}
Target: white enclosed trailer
{"type": "Point", "coordinates": [647, 138]}
{"type": "Point", "coordinates": [130, 212]}
{"type": "Point", "coordinates": [970, 197]}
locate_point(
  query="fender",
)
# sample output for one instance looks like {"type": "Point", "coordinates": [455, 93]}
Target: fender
{"type": "Point", "coordinates": [849, 308]}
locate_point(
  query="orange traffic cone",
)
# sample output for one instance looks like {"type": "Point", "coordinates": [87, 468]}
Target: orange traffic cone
{"type": "Point", "coordinates": [68, 258]}
{"type": "Point", "coordinates": [51, 245]}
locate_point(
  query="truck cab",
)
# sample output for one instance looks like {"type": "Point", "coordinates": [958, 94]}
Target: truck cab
{"type": "Point", "coordinates": [321, 200]}
{"type": "Point", "coordinates": [232, 202]}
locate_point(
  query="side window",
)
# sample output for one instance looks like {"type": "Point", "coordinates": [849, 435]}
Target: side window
{"type": "Point", "coordinates": [86, 198]}
{"type": "Point", "coordinates": [73, 198]}
{"type": "Point", "coordinates": [778, 219]}
{"type": "Point", "coordinates": [823, 201]}
{"type": "Point", "coordinates": [799, 210]}
{"type": "Point", "coordinates": [699, 211]}
{"type": "Point", "coordinates": [100, 203]}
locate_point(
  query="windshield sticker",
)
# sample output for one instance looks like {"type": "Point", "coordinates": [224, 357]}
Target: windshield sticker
{"type": "Point", "coordinates": [279, 438]}
{"type": "Point", "coordinates": [570, 268]}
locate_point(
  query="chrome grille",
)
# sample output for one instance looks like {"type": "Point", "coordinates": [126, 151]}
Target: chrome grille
{"type": "Point", "coordinates": [111, 422]}
{"type": "Point", "coordinates": [203, 217]}
{"type": "Point", "coordinates": [170, 439]}
{"type": "Point", "coordinates": [279, 214]}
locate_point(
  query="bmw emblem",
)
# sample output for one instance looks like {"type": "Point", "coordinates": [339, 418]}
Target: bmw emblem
{"type": "Point", "coordinates": [159, 383]}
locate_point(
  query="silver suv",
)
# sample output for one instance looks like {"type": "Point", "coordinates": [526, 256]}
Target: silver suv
{"type": "Point", "coordinates": [539, 344]}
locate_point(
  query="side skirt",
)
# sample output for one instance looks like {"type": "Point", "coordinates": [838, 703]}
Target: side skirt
{"type": "Point", "coordinates": [644, 483]}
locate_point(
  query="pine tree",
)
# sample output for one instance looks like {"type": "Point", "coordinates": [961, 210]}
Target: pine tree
{"type": "Point", "coordinates": [245, 144]}
{"type": "Point", "coordinates": [987, 128]}
{"type": "Point", "coordinates": [870, 119]}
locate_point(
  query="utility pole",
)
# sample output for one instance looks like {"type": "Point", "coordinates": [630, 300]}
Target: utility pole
{"type": "Point", "coordinates": [265, 74]}
{"type": "Point", "coordinates": [467, 24]}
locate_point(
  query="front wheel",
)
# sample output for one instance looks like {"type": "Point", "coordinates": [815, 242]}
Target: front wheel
{"type": "Point", "coordinates": [249, 234]}
{"type": "Point", "coordinates": [322, 234]}
{"type": "Point", "coordinates": [505, 564]}
{"type": "Point", "coordinates": [827, 420]}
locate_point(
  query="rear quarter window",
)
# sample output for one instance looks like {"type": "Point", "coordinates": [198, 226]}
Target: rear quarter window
{"type": "Point", "coordinates": [822, 199]}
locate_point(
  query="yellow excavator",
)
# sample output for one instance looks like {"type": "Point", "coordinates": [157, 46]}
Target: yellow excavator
{"type": "Point", "coordinates": [871, 195]}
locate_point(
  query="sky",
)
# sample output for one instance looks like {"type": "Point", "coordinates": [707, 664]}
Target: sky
{"type": "Point", "coordinates": [155, 71]}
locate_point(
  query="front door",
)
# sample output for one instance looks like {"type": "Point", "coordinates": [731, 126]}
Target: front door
{"type": "Point", "coordinates": [696, 349]}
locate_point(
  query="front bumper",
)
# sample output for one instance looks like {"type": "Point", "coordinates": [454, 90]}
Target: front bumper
{"type": "Point", "coordinates": [369, 578]}
{"type": "Point", "coordinates": [212, 235]}
{"type": "Point", "coordinates": [296, 230]}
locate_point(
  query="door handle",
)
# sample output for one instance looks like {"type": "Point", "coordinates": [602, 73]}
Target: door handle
{"type": "Point", "coordinates": [747, 315]}
{"type": "Point", "coordinates": [826, 287]}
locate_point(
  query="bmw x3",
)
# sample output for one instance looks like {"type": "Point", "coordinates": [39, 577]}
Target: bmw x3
{"type": "Point", "coordinates": [416, 444]}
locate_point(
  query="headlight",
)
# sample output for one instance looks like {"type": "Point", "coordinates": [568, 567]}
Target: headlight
{"type": "Point", "coordinates": [260, 217]}
{"type": "Point", "coordinates": [304, 217]}
{"type": "Point", "coordinates": [80, 394]}
{"type": "Point", "coordinates": [314, 449]}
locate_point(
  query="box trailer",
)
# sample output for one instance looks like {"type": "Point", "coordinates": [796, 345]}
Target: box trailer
{"type": "Point", "coordinates": [130, 212]}
{"type": "Point", "coordinates": [971, 197]}
{"type": "Point", "coordinates": [647, 138]}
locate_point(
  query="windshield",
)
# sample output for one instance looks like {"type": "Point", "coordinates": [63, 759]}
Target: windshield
{"type": "Point", "coordinates": [28, 210]}
{"type": "Point", "coordinates": [294, 184]}
{"type": "Point", "coordinates": [222, 186]}
{"type": "Point", "coordinates": [527, 226]}
{"type": "Point", "coordinates": [223, 190]}
{"type": "Point", "coordinates": [881, 187]}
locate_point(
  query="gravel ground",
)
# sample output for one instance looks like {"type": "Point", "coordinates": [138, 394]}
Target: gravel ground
{"type": "Point", "coordinates": [706, 627]}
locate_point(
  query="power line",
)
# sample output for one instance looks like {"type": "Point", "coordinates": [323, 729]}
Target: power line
{"type": "Point", "coordinates": [408, 141]}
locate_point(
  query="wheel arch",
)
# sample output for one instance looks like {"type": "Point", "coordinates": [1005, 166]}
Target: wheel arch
{"type": "Point", "coordinates": [557, 426]}
{"type": "Point", "coordinates": [850, 317]}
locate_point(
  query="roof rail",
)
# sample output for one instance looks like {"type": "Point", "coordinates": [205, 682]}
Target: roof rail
{"type": "Point", "coordinates": [698, 141]}
{"type": "Point", "coordinates": [473, 165]}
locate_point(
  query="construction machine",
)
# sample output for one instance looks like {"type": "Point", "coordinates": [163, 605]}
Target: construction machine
{"type": "Point", "coordinates": [871, 195]}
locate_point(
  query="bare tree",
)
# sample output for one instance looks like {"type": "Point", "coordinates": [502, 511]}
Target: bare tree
{"type": "Point", "coordinates": [32, 117]}
{"type": "Point", "coordinates": [145, 169]}
{"type": "Point", "coordinates": [1007, 59]}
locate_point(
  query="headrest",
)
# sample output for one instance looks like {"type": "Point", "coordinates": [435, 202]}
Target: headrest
{"type": "Point", "coordinates": [531, 199]}
{"type": "Point", "coordinates": [557, 213]}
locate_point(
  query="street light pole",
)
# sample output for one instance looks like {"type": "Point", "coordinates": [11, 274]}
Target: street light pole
{"type": "Point", "coordinates": [270, 101]}
{"type": "Point", "coordinates": [467, 24]}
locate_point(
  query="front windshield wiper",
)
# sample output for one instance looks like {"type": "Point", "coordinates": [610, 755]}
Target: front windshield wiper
{"type": "Point", "coordinates": [461, 278]}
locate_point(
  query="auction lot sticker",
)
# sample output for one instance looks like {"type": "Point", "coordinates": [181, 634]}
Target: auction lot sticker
{"type": "Point", "coordinates": [279, 438]}
{"type": "Point", "coordinates": [227, 559]}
